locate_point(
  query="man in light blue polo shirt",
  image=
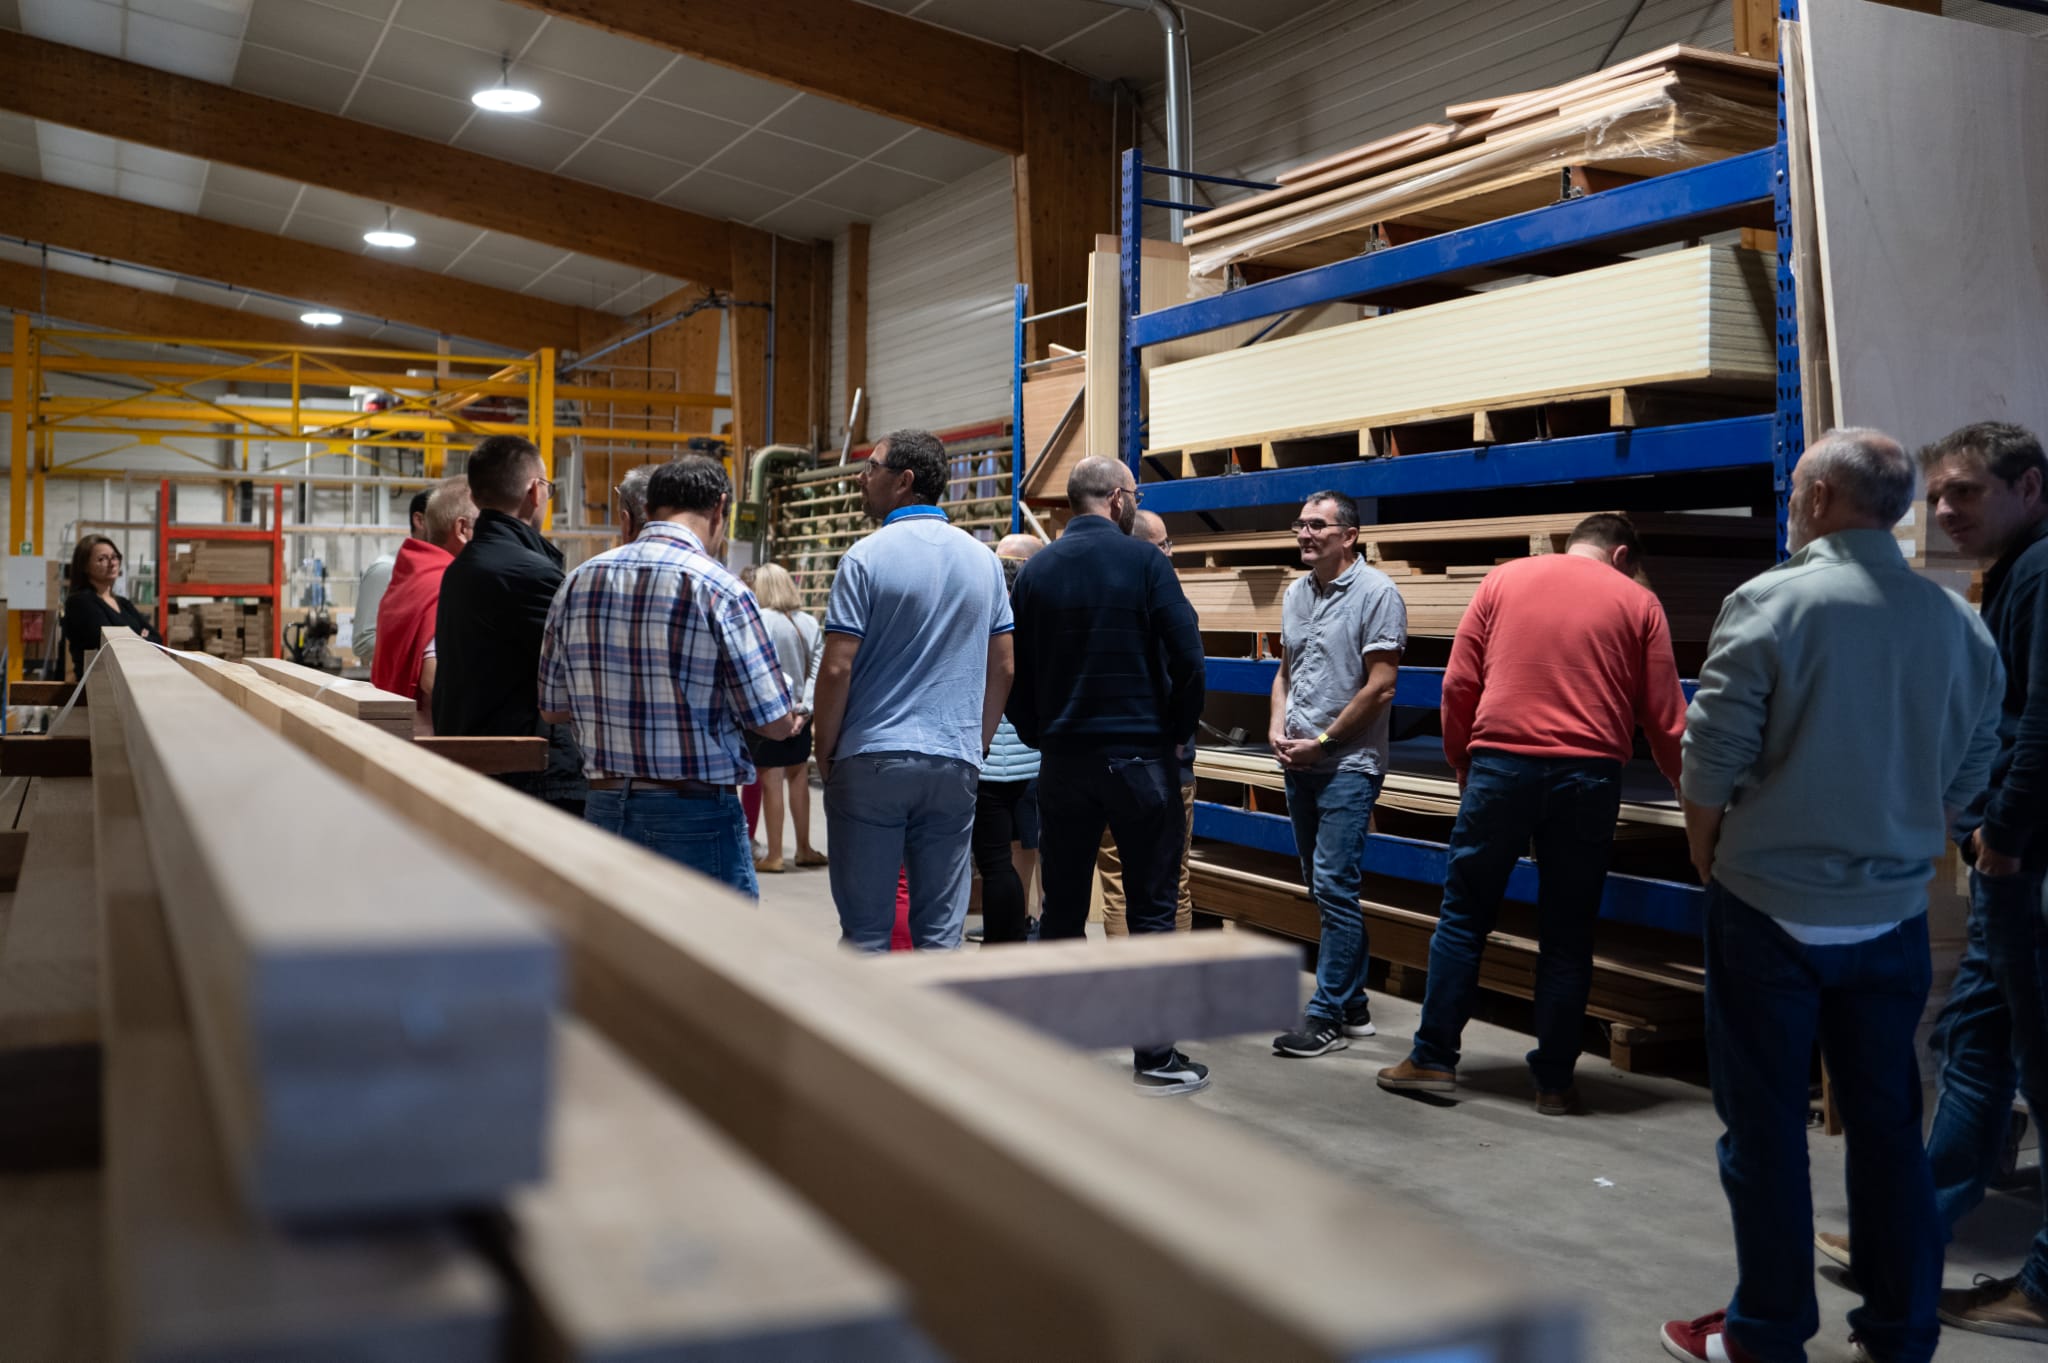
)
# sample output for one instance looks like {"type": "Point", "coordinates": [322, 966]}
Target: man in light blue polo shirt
{"type": "Point", "coordinates": [917, 666]}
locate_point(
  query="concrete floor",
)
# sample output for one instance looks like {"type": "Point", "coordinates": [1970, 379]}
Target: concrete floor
{"type": "Point", "coordinates": [1621, 1207]}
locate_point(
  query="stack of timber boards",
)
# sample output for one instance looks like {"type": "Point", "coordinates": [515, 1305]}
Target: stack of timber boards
{"type": "Point", "coordinates": [386, 710]}
{"type": "Point", "coordinates": [1695, 319]}
{"type": "Point", "coordinates": [1667, 110]}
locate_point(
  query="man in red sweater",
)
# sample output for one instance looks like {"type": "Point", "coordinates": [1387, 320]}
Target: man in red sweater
{"type": "Point", "coordinates": [405, 618]}
{"type": "Point", "coordinates": [1556, 662]}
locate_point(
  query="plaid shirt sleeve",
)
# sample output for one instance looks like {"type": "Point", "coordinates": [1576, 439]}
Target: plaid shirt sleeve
{"type": "Point", "coordinates": [748, 671]}
{"type": "Point", "coordinates": [554, 667]}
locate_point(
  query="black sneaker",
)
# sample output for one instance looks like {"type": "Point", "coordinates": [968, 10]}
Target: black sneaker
{"type": "Point", "coordinates": [1315, 1036]}
{"type": "Point", "coordinates": [1358, 1018]}
{"type": "Point", "coordinates": [1171, 1077]}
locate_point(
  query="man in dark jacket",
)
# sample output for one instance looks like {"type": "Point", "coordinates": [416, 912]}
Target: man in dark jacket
{"type": "Point", "coordinates": [493, 612]}
{"type": "Point", "coordinates": [1109, 690]}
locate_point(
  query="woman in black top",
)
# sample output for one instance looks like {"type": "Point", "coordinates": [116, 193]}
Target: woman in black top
{"type": "Point", "coordinates": [92, 605]}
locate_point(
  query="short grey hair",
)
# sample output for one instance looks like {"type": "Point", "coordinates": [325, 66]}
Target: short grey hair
{"type": "Point", "coordinates": [1094, 479]}
{"type": "Point", "coordinates": [633, 491]}
{"type": "Point", "coordinates": [1869, 468]}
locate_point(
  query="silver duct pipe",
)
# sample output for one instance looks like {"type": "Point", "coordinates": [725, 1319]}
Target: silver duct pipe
{"type": "Point", "coordinates": [1180, 102]}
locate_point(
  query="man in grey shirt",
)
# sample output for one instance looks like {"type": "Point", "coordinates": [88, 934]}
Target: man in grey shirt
{"type": "Point", "coordinates": [1847, 712]}
{"type": "Point", "coordinates": [375, 581]}
{"type": "Point", "coordinates": [1343, 627]}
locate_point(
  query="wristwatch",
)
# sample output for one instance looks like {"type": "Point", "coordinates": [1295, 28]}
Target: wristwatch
{"type": "Point", "coordinates": [1323, 739]}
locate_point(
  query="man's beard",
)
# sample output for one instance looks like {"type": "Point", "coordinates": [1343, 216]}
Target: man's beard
{"type": "Point", "coordinates": [1798, 530]}
{"type": "Point", "coordinates": [1128, 517]}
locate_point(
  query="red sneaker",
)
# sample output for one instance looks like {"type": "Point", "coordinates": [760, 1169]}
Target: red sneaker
{"type": "Point", "coordinates": [1702, 1341]}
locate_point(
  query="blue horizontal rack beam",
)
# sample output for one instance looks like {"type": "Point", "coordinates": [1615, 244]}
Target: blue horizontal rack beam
{"type": "Point", "coordinates": [1418, 686]}
{"type": "Point", "coordinates": [1661, 201]}
{"type": "Point", "coordinates": [1736, 442]}
{"type": "Point", "coordinates": [1628, 899]}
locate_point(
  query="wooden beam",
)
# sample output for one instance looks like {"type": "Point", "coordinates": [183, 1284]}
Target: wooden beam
{"type": "Point", "coordinates": [192, 1276]}
{"type": "Point", "coordinates": [1756, 28]}
{"type": "Point", "coordinates": [139, 234]}
{"type": "Point", "coordinates": [411, 997]}
{"type": "Point", "coordinates": [636, 1181]}
{"type": "Point", "coordinates": [1065, 193]}
{"type": "Point", "coordinates": [975, 1141]}
{"type": "Point", "coordinates": [135, 103]}
{"type": "Point", "coordinates": [357, 699]}
{"type": "Point", "coordinates": [833, 48]}
{"type": "Point", "coordinates": [45, 755]}
{"type": "Point", "coordinates": [118, 307]}
{"type": "Point", "coordinates": [491, 756]}
{"type": "Point", "coordinates": [821, 344]}
{"type": "Point", "coordinates": [42, 693]}
{"type": "Point", "coordinates": [856, 329]}
{"type": "Point", "coordinates": [1140, 991]}
{"type": "Point", "coordinates": [753, 261]}
{"type": "Point", "coordinates": [795, 273]}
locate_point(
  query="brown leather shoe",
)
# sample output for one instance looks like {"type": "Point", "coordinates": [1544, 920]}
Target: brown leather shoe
{"type": "Point", "coordinates": [768, 865]}
{"type": "Point", "coordinates": [1995, 1306]}
{"type": "Point", "coordinates": [1409, 1077]}
{"type": "Point", "coordinates": [810, 859]}
{"type": "Point", "coordinates": [1562, 1103]}
{"type": "Point", "coordinates": [1834, 1246]}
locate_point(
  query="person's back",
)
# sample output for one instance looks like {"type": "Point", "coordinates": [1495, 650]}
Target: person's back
{"type": "Point", "coordinates": [1837, 811]}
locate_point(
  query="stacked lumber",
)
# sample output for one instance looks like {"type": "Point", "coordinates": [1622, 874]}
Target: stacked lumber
{"type": "Point", "coordinates": [222, 562]}
{"type": "Point", "coordinates": [1667, 110]}
{"type": "Point", "coordinates": [358, 699]}
{"type": "Point", "coordinates": [1688, 319]}
{"type": "Point", "coordinates": [226, 629]}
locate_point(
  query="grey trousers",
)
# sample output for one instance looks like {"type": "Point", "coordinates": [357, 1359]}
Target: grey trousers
{"type": "Point", "coordinates": [891, 812]}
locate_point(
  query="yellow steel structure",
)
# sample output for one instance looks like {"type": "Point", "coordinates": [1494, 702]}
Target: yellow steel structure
{"type": "Point", "coordinates": [431, 398]}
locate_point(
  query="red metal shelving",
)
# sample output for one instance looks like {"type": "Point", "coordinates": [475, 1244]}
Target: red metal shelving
{"type": "Point", "coordinates": [169, 533]}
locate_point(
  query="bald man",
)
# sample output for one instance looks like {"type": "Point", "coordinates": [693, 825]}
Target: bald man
{"type": "Point", "coordinates": [1109, 869]}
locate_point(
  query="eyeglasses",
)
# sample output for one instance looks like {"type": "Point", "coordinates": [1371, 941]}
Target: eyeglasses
{"type": "Point", "coordinates": [547, 488]}
{"type": "Point", "coordinates": [873, 465]}
{"type": "Point", "coordinates": [1315, 524]}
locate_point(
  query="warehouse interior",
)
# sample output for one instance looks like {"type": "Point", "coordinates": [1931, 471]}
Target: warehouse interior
{"type": "Point", "coordinates": [329, 1029]}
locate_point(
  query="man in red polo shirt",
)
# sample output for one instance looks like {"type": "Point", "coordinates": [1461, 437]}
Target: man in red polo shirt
{"type": "Point", "coordinates": [1557, 661]}
{"type": "Point", "coordinates": [405, 618]}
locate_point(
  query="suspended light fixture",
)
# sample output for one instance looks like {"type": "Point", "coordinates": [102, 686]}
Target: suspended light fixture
{"type": "Point", "coordinates": [388, 236]}
{"type": "Point", "coordinates": [321, 319]}
{"type": "Point", "coordinates": [503, 98]}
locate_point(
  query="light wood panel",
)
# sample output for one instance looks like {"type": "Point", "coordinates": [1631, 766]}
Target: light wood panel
{"type": "Point", "coordinates": [1913, 118]}
{"type": "Point", "coordinates": [52, 1278]}
{"type": "Point", "coordinates": [193, 1277]}
{"type": "Point", "coordinates": [1065, 186]}
{"type": "Point", "coordinates": [375, 1041]}
{"type": "Point", "coordinates": [944, 1138]}
{"type": "Point", "coordinates": [139, 234]}
{"type": "Point", "coordinates": [795, 327]}
{"type": "Point", "coordinates": [1133, 991]}
{"type": "Point", "coordinates": [141, 104]}
{"type": "Point", "coordinates": [752, 268]}
{"type": "Point", "coordinates": [857, 235]}
{"type": "Point", "coordinates": [356, 699]}
{"type": "Point", "coordinates": [1699, 316]}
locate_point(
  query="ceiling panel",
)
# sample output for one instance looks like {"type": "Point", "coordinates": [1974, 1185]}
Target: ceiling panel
{"type": "Point", "coordinates": [403, 109]}
{"type": "Point", "coordinates": [498, 274]}
{"type": "Point", "coordinates": [716, 90]}
{"type": "Point", "coordinates": [1037, 25]}
{"type": "Point", "coordinates": [674, 132]}
{"type": "Point", "coordinates": [941, 159]}
{"type": "Point", "coordinates": [250, 184]}
{"type": "Point", "coordinates": [17, 129]}
{"type": "Point", "coordinates": [93, 24]}
{"type": "Point", "coordinates": [225, 17]}
{"type": "Point", "coordinates": [722, 196]}
{"type": "Point", "coordinates": [620, 168]}
{"type": "Point", "coordinates": [594, 55]}
{"type": "Point", "coordinates": [512, 137]}
{"type": "Point", "coordinates": [240, 212]}
{"type": "Point", "coordinates": [869, 191]}
{"type": "Point", "coordinates": [321, 32]}
{"type": "Point", "coordinates": [489, 25]}
{"type": "Point", "coordinates": [434, 64]}
{"type": "Point", "coordinates": [324, 231]}
{"type": "Point", "coordinates": [825, 123]}
{"type": "Point", "coordinates": [17, 159]}
{"type": "Point", "coordinates": [176, 195]}
{"type": "Point", "coordinates": [294, 79]}
{"type": "Point", "coordinates": [199, 53]}
{"type": "Point", "coordinates": [577, 106]}
{"type": "Point", "coordinates": [778, 162]}
{"type": "Point", "coordinates": [92, 175]}
{"type": "Point", "coordinates": [806, 220]}
{"type": "Point", "coordinates": [531, 256]}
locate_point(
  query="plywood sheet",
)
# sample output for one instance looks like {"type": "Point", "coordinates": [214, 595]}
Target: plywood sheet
{"type": "Point", "coordinates": [1699, 316]}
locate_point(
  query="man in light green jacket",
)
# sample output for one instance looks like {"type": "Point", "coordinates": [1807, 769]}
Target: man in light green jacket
{"type": "Point", "coordinates": [1846, 713]}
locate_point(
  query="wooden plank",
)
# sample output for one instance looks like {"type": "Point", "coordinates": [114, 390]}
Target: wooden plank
{"type": "Point", "coordinates": [139, 234]}
{"type": "Point", "coordinates": [794, 327]}
{"type": "Point", "coordinates": [1816, 373]}
{"type": "Point", "coordinates": [356, 699]}
{"type": "Point", "coordinates": [654, 1237]}
{"type": "Point", "coordinates": [40, 755]}
{"type": "Point", "coordinates": [491, 756]}
{"type": "Point", "coordinates": [752, 262]}
{"type": "Point", "coordinates": [856, 331]}
{"type": "Point", "coordinates": [13, 848]}
{"type": "Point", "coordinates": [1691, 315]}
{"type": "Point", "coordinates": [1136, 991]}
{"type": "Point", "coordinates": [52, 1277]}
{"type": "Point", "coordinates": [41, 693]}
{"type": "Point", "coordinates": [120, 307]}
{"type": "Point", "coordinates": [373, 1042]}
{"type": "Point", "coordinates": [1756, 28]}
{"type": "Point", "coordinates": [175, 113]}
{"type": "Point", "coordinates": [1065, 192]}
{"type": "Point", "coordinates": [962, 1125]}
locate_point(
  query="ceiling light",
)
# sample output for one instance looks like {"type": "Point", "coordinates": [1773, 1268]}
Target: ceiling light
{"type": "Point", "coordinates": [502, 98]}
{"type": "Point", "coordinates": [388, 236]}
{"type": "Point", "coordinates": [321, 319]}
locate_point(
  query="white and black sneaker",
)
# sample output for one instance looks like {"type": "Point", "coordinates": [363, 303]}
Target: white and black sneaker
{"type": "Point", "coordinates": [1315, 1036]}
{"type": "Point", "coordinates": [1171, 1077]}
{"type": "Point", "coordinates": [1358, 1018]}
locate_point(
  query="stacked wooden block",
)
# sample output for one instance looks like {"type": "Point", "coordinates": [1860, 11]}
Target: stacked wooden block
{"type": "Point", "coordinates": [226, 629]}
{"type": "Point", "coordinates": [219, 562]}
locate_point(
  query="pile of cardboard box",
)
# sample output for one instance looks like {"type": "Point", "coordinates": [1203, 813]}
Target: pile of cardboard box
{"type": "Point", "coordinates": [219, 562]}
{"type": "Point", "coordinates": [226, 629]}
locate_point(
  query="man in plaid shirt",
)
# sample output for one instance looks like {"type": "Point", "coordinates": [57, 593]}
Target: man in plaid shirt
{"type": "Point", "coordinates": [655, 656]}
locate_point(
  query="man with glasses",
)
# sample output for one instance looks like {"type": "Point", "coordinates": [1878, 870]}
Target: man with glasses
{"type": "Point", "coordinates": [917, 664]}
{"type": "Point", "coordinates": [1109, 690]}
{"type": "Point", "coordinates": [492, 613]}
{"type": "Point", "coordinates": [1343, 627]}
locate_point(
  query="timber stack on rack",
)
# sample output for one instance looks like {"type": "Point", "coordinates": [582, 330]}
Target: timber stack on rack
{"type": "Point", "coordinates": [280, 1098]}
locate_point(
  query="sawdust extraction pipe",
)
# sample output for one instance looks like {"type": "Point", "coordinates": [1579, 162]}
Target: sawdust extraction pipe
{"type": "Point", "coordinates": [1180, 109]}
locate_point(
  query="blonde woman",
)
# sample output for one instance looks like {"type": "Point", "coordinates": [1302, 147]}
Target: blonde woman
{"type": "Point", "coordinates": [786, 763]}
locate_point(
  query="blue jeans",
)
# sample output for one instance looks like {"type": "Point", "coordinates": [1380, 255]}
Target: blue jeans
{"type": "Point", "coordinates": [1332, 813]}
{"type": "Point", "coordinates": [1991, 1039]}
{"type": "Point", "coordinates": [887, 813]}
{"type": "Point", "coordinates": [1769, 997]}
{"type": "Point", "coordinates": [1137, 798]}
{"type": "Point", "coordinates": [1566, 806]}
{"type": "Point", "coordinates": [708, 835]}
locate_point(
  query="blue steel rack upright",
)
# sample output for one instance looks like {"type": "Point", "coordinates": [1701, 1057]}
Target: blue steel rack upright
{"type": "Point", "coordinates": [1660, 205]}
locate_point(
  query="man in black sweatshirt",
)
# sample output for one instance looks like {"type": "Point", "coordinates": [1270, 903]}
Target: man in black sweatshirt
{"type": "Point", "coordinates": [1109, 690]}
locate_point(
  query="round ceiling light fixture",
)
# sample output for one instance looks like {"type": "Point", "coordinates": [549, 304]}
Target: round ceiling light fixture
{"type": "Point", "coordinates": [388, 236]}
{"type": "Point", "coordinates": [504, 98]}
{"type": "Point", "coordinates": [320, 319]}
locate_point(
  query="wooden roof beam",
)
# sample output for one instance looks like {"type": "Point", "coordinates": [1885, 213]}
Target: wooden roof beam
{"type": "Point", "coordinates": [139, 234]}
{"type": "Point", "coordinates": [118, 307]}
{"type": "Point", "coordinates": [967, 88]}
{"type": "Point", "coordinates": [120, 99]}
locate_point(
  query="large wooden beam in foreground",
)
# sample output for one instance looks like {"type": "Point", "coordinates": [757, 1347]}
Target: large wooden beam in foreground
{"type": "Point", "coordinates": [374, 1035]}
{"type": "Point", "coordinates": [193, 1276]}
{"type": "Point", "coordinates": [946, 1139]}
{"type": "Point", "coordinates": [1138, 991]}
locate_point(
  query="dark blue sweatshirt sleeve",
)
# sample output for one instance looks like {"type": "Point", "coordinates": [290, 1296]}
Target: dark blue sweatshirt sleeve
{"type": "Point", "coordinates": [1022, 706]}
{"type": "Point", "coordinates": [2018, 808]}
{"type": "Point", "coordinates": [1174, 623]}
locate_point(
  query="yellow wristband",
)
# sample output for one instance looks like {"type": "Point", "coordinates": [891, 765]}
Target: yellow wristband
{"type": "Point", "coordinates": [1324, 738]}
